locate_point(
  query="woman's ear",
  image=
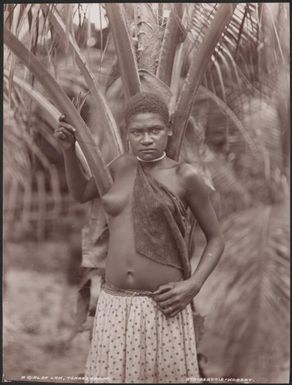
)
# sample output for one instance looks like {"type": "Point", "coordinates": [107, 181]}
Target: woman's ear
{"type": "Point", "coordinates": [170, 132]}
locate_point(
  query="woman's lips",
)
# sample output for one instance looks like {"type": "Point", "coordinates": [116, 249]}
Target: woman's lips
{"type": "Point", "coordinates": [147, 150]}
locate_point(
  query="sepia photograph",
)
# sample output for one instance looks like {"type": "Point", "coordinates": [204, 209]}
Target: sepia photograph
{"type": "Point", "coordinates": [146, 193]}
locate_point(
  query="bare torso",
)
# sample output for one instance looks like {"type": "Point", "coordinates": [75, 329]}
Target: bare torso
{"type": "Point", "coordinates": [125, 268]}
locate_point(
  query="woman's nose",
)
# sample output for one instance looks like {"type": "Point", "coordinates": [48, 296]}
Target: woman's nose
{"type": "Point", "coordinates": [147, 139]}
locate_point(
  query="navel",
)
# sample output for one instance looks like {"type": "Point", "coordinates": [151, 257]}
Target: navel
{"type": "Point", "coordinates": [130, 274]}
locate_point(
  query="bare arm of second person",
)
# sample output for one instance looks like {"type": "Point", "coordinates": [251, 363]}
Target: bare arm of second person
{"type": "Point", "coordinates": [82, 189]}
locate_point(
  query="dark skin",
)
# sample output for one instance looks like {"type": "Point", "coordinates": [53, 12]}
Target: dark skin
{"type": "Point", "coordinates": [125, 268]}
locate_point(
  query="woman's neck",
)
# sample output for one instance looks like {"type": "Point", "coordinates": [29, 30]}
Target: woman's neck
{"type": "Point", "coordinates": [155, 160]}
{"type": "Point", "coordinates": [162, 164]}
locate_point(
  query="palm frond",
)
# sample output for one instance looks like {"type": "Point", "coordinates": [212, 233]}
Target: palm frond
{"type": "Point", "coordinates": [194, 151]}
{"type": "Point", "coordinates": [148, 37]}
{"type": "Point", "coordinates": [150, 83]}
{"type": "Point", "coordinates": [223, 106]}
{"type": "Point", "coordinates": [9, 10]}
{"type": "Point", "coordinates": [20, 155]}
{"type": "Point", "coordinates": [199, 19]}
{"type": "Point", "coordinates": [175, 84]}
{"type": "Point", "coordinates": [195, 75]}
{"type": "Point", "coordinates": [171, 38]}
{"type": "Point", "coordinates": [106, 120]}
{"type": "Point", "coordinates": [268, 161]}
{"type": "Point", "coordinates": [238, 40]}
{"type": "Point", "coordinates": [16, 156]}
{"type": "Point", "coordinates": [50, 114]}
{"type": "Point", "coordinates": [220, 77]}
{"type": "Point", "coordinates": [124, 49]}
{"type": "Point", "coordinates": [247, 295]}
{"type": "Point", "coordinates": [231, 193]}
{"type": "Point", "coordinates": [83, 135]}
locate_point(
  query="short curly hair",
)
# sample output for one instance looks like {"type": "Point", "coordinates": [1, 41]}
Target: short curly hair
{"type": "Point", "coordinates": [146, 102]}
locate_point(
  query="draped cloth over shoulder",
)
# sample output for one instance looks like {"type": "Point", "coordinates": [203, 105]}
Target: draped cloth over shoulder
{"type": "Point", "coordinates": [162, 229]}
{"type": "Point", "coordinates": [159, 222]}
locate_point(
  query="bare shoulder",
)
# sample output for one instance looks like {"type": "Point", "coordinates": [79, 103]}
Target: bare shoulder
{"type": "Point", "coordinates": [122, 162]}
{"type": "Point", "coordinates": [191, 179]}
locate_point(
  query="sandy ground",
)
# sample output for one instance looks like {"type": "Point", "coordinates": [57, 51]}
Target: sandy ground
{"type": "Point", "coordinates": [38, 311]}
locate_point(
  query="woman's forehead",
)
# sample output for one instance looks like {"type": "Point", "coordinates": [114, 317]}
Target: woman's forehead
{"type": "Point", "coordinates": [147, 119]}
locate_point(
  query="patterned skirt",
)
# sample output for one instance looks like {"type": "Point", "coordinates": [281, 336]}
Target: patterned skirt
{"type": "Point", "coordinates": [134, 342]}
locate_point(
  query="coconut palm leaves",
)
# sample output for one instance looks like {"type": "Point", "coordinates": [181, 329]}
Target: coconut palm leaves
{"type": "Point", "coordinates": [172, 34]}
{"type": "Point", "coordinates": [217, 65]}
{"type": "Point", "coordinates": [195, 74]}
{"type": "Point", "coordinates": [50, 114]}
{"type": "Point", "coordinates": [248, 298]}
{"type": "Point", "coordinates": [127, 62]}
{"type": "Point", "coordinates": [124, 49]}
{"type": "Point", "coordinates": [22, 207]}
{"type": "Point", "coordinates": [169, 45]}
{"type": "Point", "coordinates": [84, 137]}
{"type": "Point", "coordinates": [147, 36]}
{"type": "Point", "coordinates": [106, 120]}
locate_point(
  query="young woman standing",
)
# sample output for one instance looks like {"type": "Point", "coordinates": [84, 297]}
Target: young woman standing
{"type": "Point", "coordinates": [143, 329]}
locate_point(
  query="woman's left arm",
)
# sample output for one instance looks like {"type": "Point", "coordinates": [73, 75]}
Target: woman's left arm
{"type": "Point", "coordinates": [174, 297]}
{"type": "Point", "coordinates": [197, 197]}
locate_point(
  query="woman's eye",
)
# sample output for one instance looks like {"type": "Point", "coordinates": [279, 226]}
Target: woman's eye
{"type": "Point", "coordinates": [155, 131]}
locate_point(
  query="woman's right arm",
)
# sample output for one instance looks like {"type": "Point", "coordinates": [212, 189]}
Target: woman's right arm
{"type": "Point", "coordinates": [82, 189]}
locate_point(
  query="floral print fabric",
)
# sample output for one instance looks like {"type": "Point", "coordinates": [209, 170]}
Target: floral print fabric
{"type": "Point", "coordinates": [133, 341]}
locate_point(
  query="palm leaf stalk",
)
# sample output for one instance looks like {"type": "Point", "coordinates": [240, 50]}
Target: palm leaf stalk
{"type": "Point", "coordinates": [51, 113]}
{"type": "Point", "coordinates": [172, 36]}
{"type": "Point", "coordinates": [148, 37]}
{"type": "Point", "coordinates": [107, 122]}
{"type": "Point", "coordinates": [83, 135]}
{"type": "Point", "coordinates": [178, 64]}
{"type": "Point", "coordinates": [176, 77]}
{"type": "Point", "coordinates": [195, 74]}
{"type": "Point", "coordinates": [124, 49]}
